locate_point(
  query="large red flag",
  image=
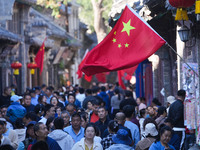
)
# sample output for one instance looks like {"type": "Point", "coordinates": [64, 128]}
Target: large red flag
{"type": "Point", "coordinates": [40, 57]}
{"type": "Point", "coordinates": [130, 42]}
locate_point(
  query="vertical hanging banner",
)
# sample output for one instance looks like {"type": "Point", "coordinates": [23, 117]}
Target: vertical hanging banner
{"type": "Point", "coordinates": [40, 57]}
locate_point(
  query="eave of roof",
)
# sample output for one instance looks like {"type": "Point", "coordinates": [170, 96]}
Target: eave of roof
{"type": "Point", "coordinates": [7, 35]}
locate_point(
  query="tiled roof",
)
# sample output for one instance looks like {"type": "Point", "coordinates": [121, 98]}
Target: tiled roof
{"type": "Point", "coordinates": [29, 2]}
{"type": "Point", "coordinates": [7, 35]}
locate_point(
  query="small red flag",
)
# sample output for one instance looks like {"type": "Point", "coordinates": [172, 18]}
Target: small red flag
{"type": "Point", "coordinates": [129, 72]}
{"type": "Point", "coordinates": [130, 42]}
{"type": "Point", "coordinates": [88, 78]}
{"type": "Point", "coordinates": [101, 77]}
{"type": "Point", "coordinates": [40, 57]}
{"type": "Point", "coordinates": [120, 73]}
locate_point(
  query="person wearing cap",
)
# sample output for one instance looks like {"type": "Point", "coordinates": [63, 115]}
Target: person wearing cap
{"type": "Point", "coordinates": [15, 110]}
{"type": "Point", "coordinates": [30, 136]}
{"type": "Point", "coordinates": [150, 133]}
{"type": "Point", "coordinates": [121, 140]}
{"type": "Point", "coordinates": [170, 100]}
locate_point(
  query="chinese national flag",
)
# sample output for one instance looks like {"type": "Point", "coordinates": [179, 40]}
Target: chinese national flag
{"type": "Point", "coordinates": [40, 57]}
{"type": "Point", "coordinates": [130, 42]}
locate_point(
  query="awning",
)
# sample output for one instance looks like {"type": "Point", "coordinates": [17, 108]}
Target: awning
{"type": "Point", "coordinates": [64, 54]}
{"type": "Point", "coordinates": [72, 42]}
{"type": "Point", "coordinates": [28, 2]}
{"type": "Point", "coordinates": [7, 35]}
{"type": "Point", "coordinates": [58, 56]}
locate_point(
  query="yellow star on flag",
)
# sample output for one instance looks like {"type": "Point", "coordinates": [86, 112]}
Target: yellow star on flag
{"type": "Point", "coordinates": [115, 32]}
{"type": "Point", "coordinates": [119, 45]}
{"type": "Point", "coordinates": [126, 45]}
{"type": "Point", "coordinates": [114, 40]}
{"type": "Point", "coordinates": [127, 27]}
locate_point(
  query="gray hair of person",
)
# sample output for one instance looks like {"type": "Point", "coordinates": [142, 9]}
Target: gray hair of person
{"type": "Point", "coordinates": [65, 112]}
{"type": "Point", "coordinates": [37, 127]}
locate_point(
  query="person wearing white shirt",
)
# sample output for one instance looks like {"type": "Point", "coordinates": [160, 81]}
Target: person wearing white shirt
{"type": "Point", "coordinates": [49, 112]}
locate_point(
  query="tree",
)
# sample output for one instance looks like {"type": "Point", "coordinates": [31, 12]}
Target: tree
{"type": "Point", "coordinates": [95, 14]}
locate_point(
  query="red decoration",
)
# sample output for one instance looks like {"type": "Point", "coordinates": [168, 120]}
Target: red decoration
{"type": "Point", "coordinates": [32, 66]}
{"type": "Point", "coordinates": [16, 65]}
{"type": "Point", "coordinates": [181, 3]}
{"type": "Point", "coordinates": [130, 42]}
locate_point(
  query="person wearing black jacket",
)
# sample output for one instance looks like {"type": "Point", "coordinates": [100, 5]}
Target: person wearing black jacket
{"type": "Point", "coordinates": [103, 121]}
{"type": "Point", "coordinates": [129, 100]}
{"type": "Point", "coordinates": [5, 97]}
{"type": "Point", "coordinates": [176, 113]}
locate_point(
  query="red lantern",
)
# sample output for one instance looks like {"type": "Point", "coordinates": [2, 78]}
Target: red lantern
{"type": "Point", "coordinates": [16, 65]}
{"type": "Point", "coordinates": [181, 6]}
{"type": "Point", "coordinates": [32, 66]}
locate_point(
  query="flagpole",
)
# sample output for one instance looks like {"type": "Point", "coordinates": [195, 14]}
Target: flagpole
{"type": "Point", "coordinates": [182, 59]}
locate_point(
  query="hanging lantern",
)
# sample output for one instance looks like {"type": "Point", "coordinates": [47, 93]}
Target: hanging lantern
{"type": "Point", "coordinates": [16, 65]}
{"type": "Point", "coordinates": [32, 66]}
{"type": "Point", "coordinates": [181, 5]}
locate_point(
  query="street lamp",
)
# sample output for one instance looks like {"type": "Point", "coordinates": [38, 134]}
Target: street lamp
{"type": "Point", "coordinates": [184, 32]}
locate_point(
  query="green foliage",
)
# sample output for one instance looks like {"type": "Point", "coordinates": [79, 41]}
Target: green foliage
{"type": "Point", "coordinates": [86, 12]}
{"type": "Point", "coordinates": [52, 4]}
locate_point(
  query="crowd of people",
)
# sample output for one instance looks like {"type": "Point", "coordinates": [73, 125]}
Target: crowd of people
{"type": "Point", "coordinates": [102, 117]}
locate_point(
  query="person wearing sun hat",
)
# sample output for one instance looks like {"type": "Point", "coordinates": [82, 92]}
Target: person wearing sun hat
{"type": "Point", "coordinates": [15, 110]}
{"type": "Point", "coordinates": [150, 134]}
{"type": "Point", "coordinates": [121, 140]}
